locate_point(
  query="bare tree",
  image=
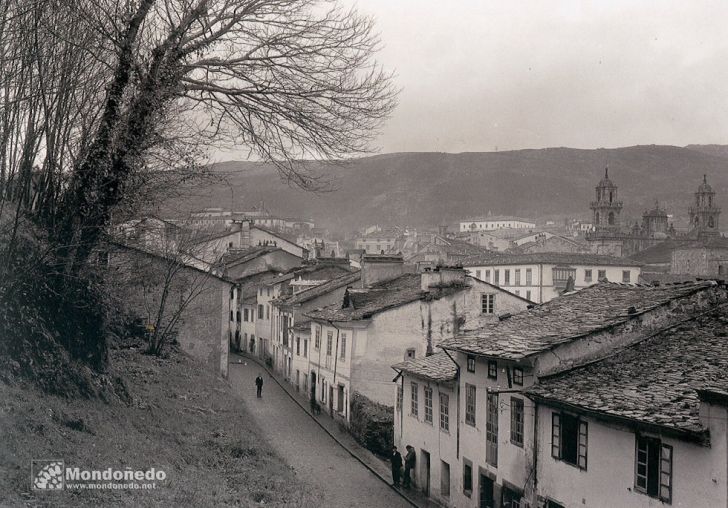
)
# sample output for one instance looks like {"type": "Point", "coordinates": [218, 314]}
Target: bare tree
{"type": "Point", "coordinates": [160, 275]}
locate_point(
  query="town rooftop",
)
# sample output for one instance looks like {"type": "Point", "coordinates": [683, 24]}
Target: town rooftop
{"type": "Point", "coordinates": [568, 317]}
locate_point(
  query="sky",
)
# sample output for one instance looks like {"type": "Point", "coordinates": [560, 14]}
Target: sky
{"type": "Point", "coordinates": [482, 75]}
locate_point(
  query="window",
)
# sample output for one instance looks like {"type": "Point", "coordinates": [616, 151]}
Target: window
{"type": "Point", "coordinates": [329, 342]}
{"type": "Point", "coordinates": [470, 404]}
{"type": "Point", "coordinates": [517, 276]}
{"type": "Point", "coordinates": [528, 277]}
{"type": "Point", "coordinates": [298, 346]}
{"type": "Point", "coordinates": [487, 276]}
{"type": "Point", "coordinates": [487, 304]}
{"type": "Point", "coordinates": [267, 311]}
{"type": "Point", "coordinates": [305, 348]}
{"type": "Point", "coordinates": [399, 397]}
{"type": "Point", "coordinates": [569, 439]}
{"type": "Point", "coordinates": [491, 430]}
{"type": "Point", "coordinates": [231, 315]}
{"type": "Point", "coordinates": [237, 316]}
{"type": "Point", "coordinates": [517, 421]}
{"type": "Point", "coordinates": [507, 277]}
{"type": "Point", "coordinates": [409, 354]}
{"type": "Point", "coordinates": [496, 277]}
{"type": "Point", "coordinates": [653, 471]}
{"type": "Point", "coordinates": [343, 346]}
{"type": "Point", "coordinates": [260, 311]}
{"type": "Point", "coordinates": [492, 369]}
{"type": "Point", "coordinates": [528, 295]}
{"type": "Point", "coordinates": [467, 477]}
{"type": "Point", "coordinates": [444, 412]}
{"type": "Point", "coordinates": [601, 274]}
{"type": "Point", "coordinates": [626, 276]}
{"type": "Point", "coordinates": [444, 479]}
{"type": "Point", "coordinates": [518, 376]}
{"type": "Point", "coordinates": [471, 363]}
{"type": "Point", "coordinates": [477, 274]}
{"type": "Point", "coordinates": [428, 405]}
{"type": "Point", "coordinates": [588, 275]}
{"type": "Point", "coordinates": [511, 498]}
{"type": "Point", "coordinates": [245, 314]}
{"type": "Point", "coordinates": [317, 342]}
{"type": "Point", "coordinates": [414, 405]}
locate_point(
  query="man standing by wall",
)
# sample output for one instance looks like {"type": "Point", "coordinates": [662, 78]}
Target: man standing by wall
{"type": "Point", "coordinates": [409, 465]}
{"type": "Point", "coordinates": [396, 460]}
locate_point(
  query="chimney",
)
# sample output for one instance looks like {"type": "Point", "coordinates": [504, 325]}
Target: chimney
{"type": "Point", "coordinates": [244, 234]}
{"type": "Point", "coordinates": [379, 267]}
{"type": "Point", "coordinates": [442, 276]}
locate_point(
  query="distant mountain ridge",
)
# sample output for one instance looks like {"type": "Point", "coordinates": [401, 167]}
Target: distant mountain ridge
{"type": "Point", "coordinates": [428, 188]}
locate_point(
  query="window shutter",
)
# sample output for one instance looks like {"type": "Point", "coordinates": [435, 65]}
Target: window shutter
{"type": "Point", "coordinates": [666, 473]}
{"type": "Point", "coordinates": [641, 470]}
{"type": "Point", "coordinates": [583, 436]}
{"type": "Point", "coordinates": [556, 435]}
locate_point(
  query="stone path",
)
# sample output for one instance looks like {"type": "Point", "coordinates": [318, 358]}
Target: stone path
{"type": "Point", "coordinates": [315, 456]}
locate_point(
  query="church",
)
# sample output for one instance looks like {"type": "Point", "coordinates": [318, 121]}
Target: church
{"type": "Point", "coordinates": [610, 237]}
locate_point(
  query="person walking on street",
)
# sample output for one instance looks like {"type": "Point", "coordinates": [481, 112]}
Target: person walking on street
{"type": "Point", "coordinates": [259, 386]}
{"type": "Point", "coordinates": [396, 460]}
{"type": "Point", "coordinates": [409, 465]}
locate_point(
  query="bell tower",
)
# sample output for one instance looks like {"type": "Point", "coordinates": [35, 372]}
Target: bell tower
{"type": "Point", "coordinates": [607, 208]}
{"type": "Point", "coordinates": [704, 214]}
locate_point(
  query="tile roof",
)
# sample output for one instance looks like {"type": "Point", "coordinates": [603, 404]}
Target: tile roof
{"type": "Point", "coordinates": [557, 258]}
{"type": "Point", "coordinates": [437, 367]}
{"type": "Point", "coordinates": [326, 269]}
{"type": "Point", "coordinates": [249, 285]}
{"type": "Point", "coordinates": [364, 303]}
{"type": "Point", "coordinates": [242, 256]}
{"type": "Point", "coordinates": [567, 317]}
{"type": "Point", "coordinates": [321, 289]}
{"type": "Point", "coordinates": [654, 381]}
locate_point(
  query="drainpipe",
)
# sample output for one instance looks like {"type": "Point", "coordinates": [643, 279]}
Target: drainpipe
{"type": "Point", "coordinates": [336, 362]}
{"type": "Point", "coordinates": [534, 495]}
{"type": "Point", "coordinates": [457, 413]}
{"type": "Point", "coordinates": [540, 283]}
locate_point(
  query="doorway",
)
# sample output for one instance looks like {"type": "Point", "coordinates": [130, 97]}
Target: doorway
{"type": "Point", "coordinates": [486, 492]}
{"type": "Point", "coordinates": [426, 472]}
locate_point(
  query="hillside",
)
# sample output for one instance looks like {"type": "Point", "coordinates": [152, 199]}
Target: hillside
{"type": "Point", "coordinates": [178, 418]}
{"type": "Point", "coordinates": [432, 188]}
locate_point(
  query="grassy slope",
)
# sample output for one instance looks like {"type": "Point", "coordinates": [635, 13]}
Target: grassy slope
{"type": "Point", "coordinates": [181, 419]}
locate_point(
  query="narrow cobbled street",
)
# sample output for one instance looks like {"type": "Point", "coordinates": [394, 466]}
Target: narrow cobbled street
{"type": "Point", "coordinates": [316, 457]}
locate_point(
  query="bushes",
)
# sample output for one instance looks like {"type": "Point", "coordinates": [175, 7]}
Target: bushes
{"type": "Point", "coordinates": [372, 424]}
{"type": "Point", "coordinates": [52, 327]}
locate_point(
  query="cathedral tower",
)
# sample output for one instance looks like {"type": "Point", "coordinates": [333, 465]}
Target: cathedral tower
{"type": "Point", "coordinates": [607, 208]}
{"type": "Point", "coordinates": [704, 214]}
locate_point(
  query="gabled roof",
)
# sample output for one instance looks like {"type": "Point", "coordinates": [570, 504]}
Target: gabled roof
{"type": "Point", "coordinates": [320, 290]}
{"type": "Point", "coordinates": [382, 296]}
{"type": "Point", "coordinates": [567, 318]}
{"type": "Point", "coordinates": [238, 257]}
{"type": "Point", "coordinates": [438, 367]}
{"type": "Point", "coordinates": [654, 381]}
{"type": "Point", "coordinates": [554, 258]}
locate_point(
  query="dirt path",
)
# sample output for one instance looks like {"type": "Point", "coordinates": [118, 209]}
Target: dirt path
{"type": "Point", "coordinates": [316, 458]}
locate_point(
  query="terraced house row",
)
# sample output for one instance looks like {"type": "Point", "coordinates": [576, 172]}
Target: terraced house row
{"type": "Point", "coordinates": [615, 395]}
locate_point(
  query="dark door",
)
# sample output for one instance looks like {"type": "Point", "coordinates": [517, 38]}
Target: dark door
{"type": "Point", "coordinates": [486, 492]}
{"type": "Point", "coordinates": [313, 385]}
{"type": "Point", "coordinates": [426, 472]}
